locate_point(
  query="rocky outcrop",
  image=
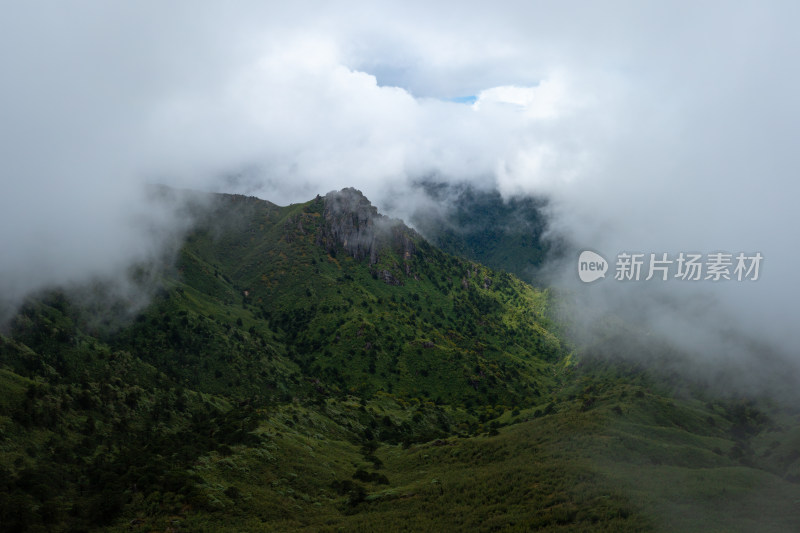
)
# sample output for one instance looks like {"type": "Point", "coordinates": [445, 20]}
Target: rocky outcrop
{"type": "Point", "coordinates": [386, 277]}
{"type": "Point", "coordinates": [353, 223]}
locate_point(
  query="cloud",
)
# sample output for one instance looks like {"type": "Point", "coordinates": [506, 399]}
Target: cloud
{"type": "Point", "coordinates": [651, 127]}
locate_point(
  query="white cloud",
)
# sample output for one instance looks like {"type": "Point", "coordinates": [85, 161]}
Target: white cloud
{"type": "Point", "coordinates": [518, 96]}
{"type": "Point", "coordinates": [547, 100]}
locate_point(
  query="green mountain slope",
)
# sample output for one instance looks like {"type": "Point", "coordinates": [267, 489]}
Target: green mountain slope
{"type": "Point", "coordinates": [319, 367]}
{"type": "Point", "coordinates": [355, 300]}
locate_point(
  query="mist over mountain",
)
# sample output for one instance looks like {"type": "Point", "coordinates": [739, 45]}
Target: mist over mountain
{"type": "Point", "coordinates": [636, 145]}
{"type": "Point", "coordinates": [480, 224]}
{"type": "Point", "coordinates": [314, 266]}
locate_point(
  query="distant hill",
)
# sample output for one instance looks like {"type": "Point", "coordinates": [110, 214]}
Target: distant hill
{"type": "Point", "coordinates": [505, 234]}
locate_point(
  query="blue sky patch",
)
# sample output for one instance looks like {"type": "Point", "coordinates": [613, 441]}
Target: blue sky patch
{"type": "Point", "coordinates": [469, 100]}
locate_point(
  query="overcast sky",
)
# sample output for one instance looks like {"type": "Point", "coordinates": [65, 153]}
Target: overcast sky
{"type": "Point", "coordinates": [653, 126]}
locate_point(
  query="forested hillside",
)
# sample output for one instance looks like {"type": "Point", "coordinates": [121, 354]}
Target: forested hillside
{"type": "Point", "coordinates": [320, 367]}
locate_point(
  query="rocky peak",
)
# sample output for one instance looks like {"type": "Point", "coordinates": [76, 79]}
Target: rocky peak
{"type": "Point", "coordinates": [352, 222]}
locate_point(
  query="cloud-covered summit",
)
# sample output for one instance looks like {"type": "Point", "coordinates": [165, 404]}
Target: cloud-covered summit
{"type": "Point", "coordinates": [651, 127]}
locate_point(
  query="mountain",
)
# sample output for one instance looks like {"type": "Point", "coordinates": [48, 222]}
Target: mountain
{"type": "Point", "coordinates": [508, 234]}
{"type": "Point", "coordinates": [321, 367]}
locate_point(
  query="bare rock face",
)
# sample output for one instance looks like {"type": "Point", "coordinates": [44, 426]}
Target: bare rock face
{"type": "Point", "coordinates": [386, 277]}
{"type": "Point", "coordinates": [352, 222]}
